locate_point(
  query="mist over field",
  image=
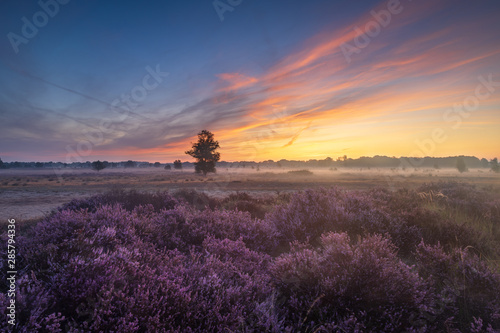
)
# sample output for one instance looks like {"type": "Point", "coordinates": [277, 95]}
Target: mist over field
{"type": "Point", "coordinates": [250, 166]}
{"type": "Point", "coordinates": [272, 249]}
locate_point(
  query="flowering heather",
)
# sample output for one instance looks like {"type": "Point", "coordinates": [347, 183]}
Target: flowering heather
{"type": "Point", "coordinates": [324, 260]}
{"type": "Point", "coordinates": [341, 281]}
{"type": "Point", "coordinates": [467, 198]}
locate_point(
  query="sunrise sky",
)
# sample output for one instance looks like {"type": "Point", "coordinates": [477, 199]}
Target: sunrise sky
{"type": "Point", "coordinates": [271, 79]}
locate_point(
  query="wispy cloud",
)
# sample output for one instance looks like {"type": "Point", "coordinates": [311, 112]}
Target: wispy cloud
{"type": "Point", "coordinates": [310, 102]}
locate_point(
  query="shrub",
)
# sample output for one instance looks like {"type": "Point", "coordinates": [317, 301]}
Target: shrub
{"type": "Point", "coordinates": [103, 271]}
{"type": "Point", "coordinates": [198, 200]}
{"type": "Point", "coordinates": [363, 282]}
{"type": "Point", "coordinates": [178, 164]}
{"type": "Point", "coordinates": [307, 215]}
{"type": "Point", "coordinates": [243, 202]}
{"type": "Point", "coordinates": [128, 199]}
{"type": "Point", "coordinates": [148, 262]}
{"type": "Point", "coordinates": [466, 289]}
{"type": "Point", "coordinates": [234, 225]}
{"type": "Point", "coordinates": [313, 212]}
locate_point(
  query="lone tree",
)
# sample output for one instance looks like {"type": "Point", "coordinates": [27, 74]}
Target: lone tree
{"type": "Point", "coordinates": [98, 165]}
{"type": "Point", "coordinates": [177, 164]}
{"type": "Point", "coordinates": [204, 152]}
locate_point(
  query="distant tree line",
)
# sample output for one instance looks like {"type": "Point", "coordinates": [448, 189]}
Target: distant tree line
{"type": "Point", "coordinates": [470, 162]}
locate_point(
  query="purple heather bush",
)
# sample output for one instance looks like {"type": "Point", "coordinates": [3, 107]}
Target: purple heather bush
{"type": "Point", "coordinates": [127, 199]}
{"type": "Point", "coordinates": [421, 221]}
{"type": "Point", "coordinates": [107, 275]}
{"type": "Point", "coordinates": [468, 198]}
{"type": "Point", "coordinates": [348, 284]}
{"type": "Point", "coordinates": [325, 260]}
{"type": "Point", "coordinates": [240, 201]}
{"type": "Point", "coordinates": [308, 214]}
{"type": "Point", "coordinates": [313, 212]}
{"type": "Point", "coordinates": [255, 233]}
{"type": "Point", "coordinates": [467, 290]}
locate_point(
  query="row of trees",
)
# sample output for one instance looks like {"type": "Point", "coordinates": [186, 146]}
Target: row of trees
{"type": "Point", "coordinates": [206, 155]}
{"type": "Point", "coordinates": [462, 167]}
{"type": "Point", "coordinates": [98, 165]}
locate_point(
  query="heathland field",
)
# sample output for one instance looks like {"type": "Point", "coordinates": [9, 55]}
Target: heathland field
{"type": "Point", "coordinates": [253, 251]}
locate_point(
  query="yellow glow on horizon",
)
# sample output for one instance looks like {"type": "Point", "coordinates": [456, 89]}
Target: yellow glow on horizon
{"type": "Point", "coordinates": [315, 104]}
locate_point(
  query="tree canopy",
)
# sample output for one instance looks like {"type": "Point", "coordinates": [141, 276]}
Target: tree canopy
{"type": "Point", "coordinates": [495, 166]}
{"type": "Point", "coordinates": [177, 164]}
{"type": "Point", "coordinates": [204, 151]}
{"type": "Point", "coordinates": [98, 165]}
{"type": "Point", "coordinates": [461, 164]}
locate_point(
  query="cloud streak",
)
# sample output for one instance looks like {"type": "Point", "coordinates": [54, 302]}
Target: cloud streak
{"type": "Point", "coordinates": [309, 103]}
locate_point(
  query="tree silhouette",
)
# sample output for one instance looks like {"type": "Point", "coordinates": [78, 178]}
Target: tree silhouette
{"type": "Point", "coordinates": [204, 152]}
{"type": "Point", "coordinates": [494, 165]}
{"type": "Point", "coordinates": [98, 165]}
{"type": "Point", "coordinates": [461, 164]}
{"type": "Point", "coordinates": [485, 163]}
{"type": "Point", "coordinates": [177, 164]}
{"type": "Point", "coordinates": [130, 164]}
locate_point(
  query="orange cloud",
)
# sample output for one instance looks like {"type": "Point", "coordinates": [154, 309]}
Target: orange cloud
{"type": "Point", "coordinates": [403, 81]}
{"type": "Point", "coordinates": [236, 81]}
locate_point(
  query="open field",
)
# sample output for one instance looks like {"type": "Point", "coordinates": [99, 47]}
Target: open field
{"type": "Point", "coordinates": [242, 254]}
{"type": "Point", "coordinates": [27, 194]}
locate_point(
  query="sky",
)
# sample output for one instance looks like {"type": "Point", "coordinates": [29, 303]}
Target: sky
{"type": "Point", "coordinates": [298, 80]}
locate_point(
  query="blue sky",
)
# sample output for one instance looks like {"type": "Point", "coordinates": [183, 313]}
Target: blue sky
{"type": "Point", "coordinates": [247, 78]}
